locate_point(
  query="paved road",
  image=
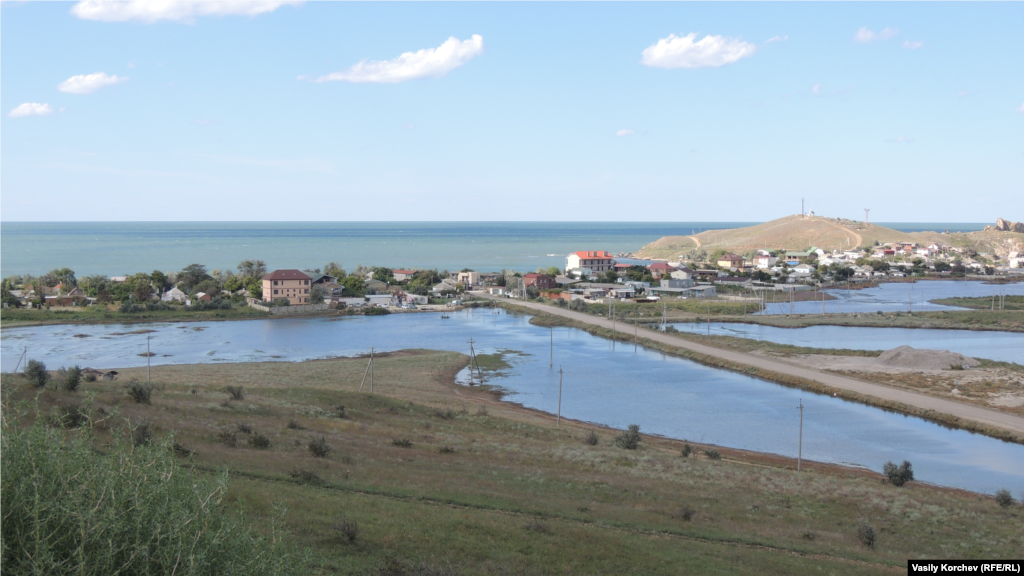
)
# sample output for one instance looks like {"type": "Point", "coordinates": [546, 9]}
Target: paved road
{"type": "Point", "coordinates": [966, 411]}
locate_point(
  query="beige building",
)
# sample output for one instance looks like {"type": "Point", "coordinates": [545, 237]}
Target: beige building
{"type": "Point", "coordinates": [291, 284]}
{"type": "Point", "coordinates": [597, 261]}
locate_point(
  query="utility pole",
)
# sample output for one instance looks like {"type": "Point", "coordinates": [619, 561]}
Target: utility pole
{"type": "Point", "coordinates": [634, 334]}
{"type": "Point", "coordinates": [664, 314]}
{"type": "Point", "coordinates": [558, 420]}
{"type": "Point", "coordinates": [369, 370]}
{"type": "Point", "coordinates": [800, 446]}
{"type": "Point", "coordinates": [24, 354]}
{"type": "Point", "coordinates": [866, 210]}
{"type": "Point", "coordinates": [472, 361]}
{"type": "Point", "coordinates": [148, 371]}
{"type": "Point", "coordinates": [708, 302]}
{"type": "Point", "coordinates": [552, 361]}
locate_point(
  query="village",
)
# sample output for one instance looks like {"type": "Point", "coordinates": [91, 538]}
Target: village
{"type": "Point", "coordinates": [593, 276]}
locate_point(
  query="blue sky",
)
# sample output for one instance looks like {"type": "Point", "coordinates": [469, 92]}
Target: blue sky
{"type": "Point", "coordinates": [514, 111]}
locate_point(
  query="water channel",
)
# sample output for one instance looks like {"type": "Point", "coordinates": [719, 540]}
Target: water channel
{"type": "Point", "coordinates": [605, 382]}
{"type": "Point", "coordinates": [894, 297]}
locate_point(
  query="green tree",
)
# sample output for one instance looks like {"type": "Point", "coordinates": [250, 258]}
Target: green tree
{"type": "Point", "coordinates": [316, 294]}
{"type": "Point", "coordinates": [252, 268]}
{"type": "Point", "coordinates": [334, 269]}
{"type": "Point", "coordinates": [234, 284]}
{"type": "Point", "coordinates": [192, 274]}
{"type": "Point", "coordinates": [384, 275]}
{"type": "Point", "coordinates": [159, 280]}
{"type": "Point", "coordinates": [10, 299]}
{"type": "Point", "coordinates": [65, 276]}
{"type": "Point", "coordinates": [355, 285]}
{"type": "Point", "coordinates": [553, 271]}
{"type": "Point", "coordinates": [255, 287]}
{"type": "Point", "coordinates": [611, 276]}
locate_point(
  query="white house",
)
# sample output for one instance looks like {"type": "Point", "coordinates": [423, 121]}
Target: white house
{"type": "Point", "coordinates": [765, 261]}
{"type": "Point", "coordinates": [381, 299]}
{"type": "Point", "coordinates": [598, 261]}
{"type": "Point", "coordinates": [469, 278]}
{"type": "Point", "coordinates": [176, 295]}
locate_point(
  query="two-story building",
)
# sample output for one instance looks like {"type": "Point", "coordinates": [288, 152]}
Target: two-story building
{"type": "Point", "coordinates": [597, 261]}
{"type": "Point", "coordinates": [540, 281]}
{"type": "Point", "coordinates": [291, 284]}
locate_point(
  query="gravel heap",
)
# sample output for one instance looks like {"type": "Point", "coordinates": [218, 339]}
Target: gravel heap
{"type": "Point", "coordinates": [907, 357]}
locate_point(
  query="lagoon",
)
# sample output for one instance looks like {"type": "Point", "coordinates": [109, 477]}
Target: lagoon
{"type": "Point", "coordinates": [605, 382]}
{"type": "Point", "coordinates": [894, 297]}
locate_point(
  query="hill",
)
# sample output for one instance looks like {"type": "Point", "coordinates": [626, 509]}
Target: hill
{"type": "Point", "coordinates": [801, 232]}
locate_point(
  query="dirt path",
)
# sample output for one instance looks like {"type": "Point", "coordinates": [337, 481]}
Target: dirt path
{"type": "Point", "coordinates": [965, 411]}
{"type": "Point", "coordinates": [695, 239]}
{"type": "Point", "coordinates": [860, 240]}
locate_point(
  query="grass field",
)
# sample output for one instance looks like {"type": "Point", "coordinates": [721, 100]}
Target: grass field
{"type": "Point", "coordinates": [444, 479]}
{"type": "Point", "coordinates": [99, 314]}
{"type": "Point", "coordinates": [985, 303]}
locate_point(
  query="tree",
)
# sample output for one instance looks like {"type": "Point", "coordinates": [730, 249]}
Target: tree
{"type": "Point", "coordinates": [255, 287]}
{"type": "Point", "coordinates": [611, 276]}
{"type": "Point", "coordinates": [252, 268]}
{"type": "Point", "coordinates": [142, 292]}
{"type": "Point", "coordinates": [898, 475]}
{"type": "Point", "coordinates": [193, 274]}
{"type": "Point", "coordinates": [65, 276]}
{"type": "Point", "coordinates": [553, 271]}
{"type": "Point", "coordinates": [384, 275]}
{"type": "Point", "coordinates": [159, 280]}
{"type": "Point", "coordinates": [500, 280]}
{"type": "Point", "coordinates": [334, 269]}
{"type": "Point", "coordinates": [209, 286]}
{"type": "Point", "coordinates": [234, 284]}
{"type": "Point", "coordinates": [941, 266]}
{"type": "Point", "coordinates": [316, 294]}
{"type": "Point", "coordinates": [10, 299]}
{"type": "Point", "coordinates": [355, 285]}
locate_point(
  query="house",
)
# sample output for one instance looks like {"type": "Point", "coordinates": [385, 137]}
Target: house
{"type": "Point", "coordinates": [444, 287]}
{"type": "Point", "coordinates": [732, 281]}
{"type": "Point", "coordinates": [804, 269]}
{"type": "Point", "coordinates": [323, 279]}
{"type": "Point", "coordinates": [350, 302]}
{"type": "Point", "coordinates": [291, 284]}
{"type": "Point", "coordinates": [383, 300]}
{"type": "Point", "coordinates": [374, 286]}
{"type": "Point", "coordinates": [468, 278]}
{"type": "Point", "coordinates": [682, 274]}
{"type": "Point", "coordinates": [660, 269]}
{"type": "Point", "coordinates": [403, 275]}
{"type": "Point", "coordinates": [176, 295]}
{"type": "Point", "coordinates": [539, 281]}
{"type": "Point", "coordinates": [597, 261]}
{"type": "Point", "coordinates": [730, 261]}
{"type": "Point", "coordinates": [203, 296]}
{"type": "Point", "coordinates": [565, 280]}
{"type": "Point", "coordinates": [497, 290]}
{"type": "Point", "coordinates": [118, 278]}
{"type": "Point", "coordinates": [415, 298]}
{"type": "Point", "coordinates": [765, 261]}
{"type": "Point", "coordinates": [332, 289]}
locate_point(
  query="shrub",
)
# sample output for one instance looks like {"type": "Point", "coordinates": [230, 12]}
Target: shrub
{"type": "Point", "coordinates": [349, 529]}
{"type": "Point", "coordinates": [319, 447]}
{"type": "Point", "coordinates": [259, 441]}
{"type": "Point", "coordinates": [294, 425]}
{"type": "Point", "coordinates": [244, 428]}
{"type": "Point", "coordinates": [142, 435]}
{"type": "Point", "coordinates": [139, 392]}
{"type": "Point", "coordinates": [866, 534]}
{"type": "Point", "coordinates": [713, 454]}
{"type": "Point", "coordinates": [180, 450]}
{"type": "Point", "coordinates": [446, 450]}
{"type": "Point", "coordinates": [686, 450]}
{"type": "Point", "coordinates": [446, 414]}
{"type": "Point", "coordinates": [70, 378]}
{"type": "Point", "coordinates": [128, 308]}
{"type": "Point", "coordinates": [685, 513]}
{"type": "Point", "coordinates": [235, 392]}
{"type": "Point", "coordinates": [591, 439]}
{"type": "Point", "coordinates": [306, 475]}
{"type": "Point", "coordinates": [90, 377]}
{"type": "Point", "coordinates": [70, 416]}
{"type": "Point", "coordinates": [36, 373]}
{"type": "Point", "coordinates": [340, 411]}
{"type": "Point", "coordinates": [228, 439]}
{"type": "Point", "coordinates": [629, 439]}
{"type": "Point", "coordinates": [166, 519]}
{"type": "Point", "coordinates": [898, 475]}
{"type": "Point", "coordinates": [1004, 498]}
{"type": "Point", "coordinates": [402, 443]}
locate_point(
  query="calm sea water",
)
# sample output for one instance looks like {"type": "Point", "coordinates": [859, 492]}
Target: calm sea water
{"type": "Point", "coordinates": [115, 248]}
{"type": "Point", "coordinates": [605, 382]}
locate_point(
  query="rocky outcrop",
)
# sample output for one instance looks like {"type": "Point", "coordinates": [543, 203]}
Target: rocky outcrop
{"type": "Point", "coordinates": [1007, 226]}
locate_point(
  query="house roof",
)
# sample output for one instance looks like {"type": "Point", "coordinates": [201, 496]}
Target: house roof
{"type": "Point", "coordinates": [601, 254]}
{"type": "Point", "coordinates": [403, 271]}
{"type": "Point", "coordinates": [660, 266]}
{"type": "Point", "coordinates": [730, 257]}
{"type": "Point", "coordinates": [287, 275]}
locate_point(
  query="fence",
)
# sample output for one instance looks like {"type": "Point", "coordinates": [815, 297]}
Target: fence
{"type": "Point", "coordinates": [284, 310]}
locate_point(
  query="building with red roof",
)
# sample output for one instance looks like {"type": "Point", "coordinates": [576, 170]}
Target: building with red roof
{"type": "Point", "coordinates": [290, 284]}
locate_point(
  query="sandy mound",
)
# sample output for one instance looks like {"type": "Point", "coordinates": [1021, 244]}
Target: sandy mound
{"type": "Point", "coordinates": [907, 357]}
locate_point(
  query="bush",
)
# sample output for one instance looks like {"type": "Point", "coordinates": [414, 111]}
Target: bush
{"type": "Point", "coordinates": [142, 435]}
{"type": "Point", "coordinates": [713, 454]}
{"type": "Point", "coordinates": [228, 439]}
{"type": "Point", "coordinates": [35, 372]}
{"type": "Point", "coordinates": [235, 392]}
{"type": "Point", "coordinates": [1004, 498]}
{"type": "Point", "coordinates": [898, 475]}
{"type": "Point", "coordinates": [446, 450]}
{"type": "Point", "coordinates": [446, 414]}
{"type": "Point", "coordinates": [70, 416]}
{"type": "Point", "coordinates": [866, 534]}
{"type": "Point", "coordinates": [629, 439]}
{"type": "Point", "coordinates": [70, 378]}
{"type": "Point", "coordinates": [59, 517]}
{"type": "Point", "coordinates": [128, 308]}
{"type": "Point", "coordinates": [259, 441]}
{"type": "Point", "coordinates": [90, 377]}
{"type": "Point", "coordinates": [349, 529]}
{"type": "Point", "coordinates": [340, 411]}
{"type": "Point", "coordinates": [319, 447]}
{"type": "Point", "coordinates": [139, 392]}
{"type": "Point", "coordinates": [402, 443]}
{"type": "Point", "coordinates": [686, 450]}
{"type": "Point", "coordinates": [306, 475]}
{"type": "Point", "coordinates": [244, 428]}
{"type": "Point", "coordinates": [155, 306]}
{"type": "Point", "coordinates": [294, 425]}
{"type": "Point", "coordinates": [686, 513]}
{"type": "Point", "coordinates": [591, 439]}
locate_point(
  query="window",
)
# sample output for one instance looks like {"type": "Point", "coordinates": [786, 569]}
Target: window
{"type": "Point", "coordinates": [307, 290]}
{"type": "Point", "coordinates": [275, 282]}
{"type": "Point", "coordinates": [275, 291]}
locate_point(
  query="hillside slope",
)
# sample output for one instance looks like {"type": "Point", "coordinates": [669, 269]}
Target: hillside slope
{"type": "Point", "coordinates": [801, 232]}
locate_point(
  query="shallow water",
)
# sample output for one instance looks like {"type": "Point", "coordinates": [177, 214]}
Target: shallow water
{"type": "Point", "coordinates": [894, 297]}
{"type": "Point", "coordinates": [604, 382]}
{"type": "Point", "coordinates": [1002, 346]}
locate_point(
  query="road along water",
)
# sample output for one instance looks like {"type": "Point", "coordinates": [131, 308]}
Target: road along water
{"type": "Point", "coordinates": [604, 382]}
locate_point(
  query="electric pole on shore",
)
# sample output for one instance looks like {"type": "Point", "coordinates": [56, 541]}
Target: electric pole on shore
{"type": "Point", "coordinates": [558, 419]}
{"type": "Point", "coordinates": [369, 370]}
{"type": "Point", "coordinates": [148, 356]}
{"type": "Point", "coordinates": [800, 446]}
{"type": "Point", "coordinates": [552, 361]}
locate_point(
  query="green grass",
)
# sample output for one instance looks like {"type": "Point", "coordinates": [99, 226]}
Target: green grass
{"type": "Point", "coordinates": [13, 317]}
{"type": "Point", "coordinates": [984, 302]}
{"type": "Point", "coordinates": [520, 495]}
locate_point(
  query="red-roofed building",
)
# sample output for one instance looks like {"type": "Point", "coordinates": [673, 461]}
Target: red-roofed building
{"type": "Point", "coordinates": [541, 281]}
{"type": "Point", "coordinates": [290, 284]}
{"type": "Point", "coordinates": [403, 275]}
{"type": "Point", "coordinates": [597, 261]}
{"type": "Point", "coordinates": [660, 269]}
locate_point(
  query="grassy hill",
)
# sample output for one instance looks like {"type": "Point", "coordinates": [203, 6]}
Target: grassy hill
{"type": "Point", "coordinates": [427, 477]}
{"type": "Point", "coordinates": [801, 232]}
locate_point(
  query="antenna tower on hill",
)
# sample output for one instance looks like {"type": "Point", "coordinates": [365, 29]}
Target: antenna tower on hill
{"type": "Point", "coordinates": [866, 210]}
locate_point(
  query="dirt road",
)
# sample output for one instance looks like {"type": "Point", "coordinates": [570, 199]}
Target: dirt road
{"type": "Point", "coordinates": [965, 411]}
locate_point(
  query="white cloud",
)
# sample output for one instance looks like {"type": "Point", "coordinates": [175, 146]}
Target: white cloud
{"type": "Point", "coordinates": [816, 89]}
{"type": "Point", "coordinates": [708, 52]}
{"type": "Point", "coordinates": [176, 10]}
{"type": "Point", "coordinates": [1021, 109]}
{"type": "Point", "coordinates": [865, 36]}
{"type": "Point", "coordinates": [426, 63]}
{"type": "Point", "coordinates": [31, 109]}
{"type": "Point", "coordinates": [89, 83]}
{"type": "Point", "coordinates": [776, 39]}
{"type": "Point", "coordinates": [625, 132]}
{"type": "Point", "coordinates": [912, 45]}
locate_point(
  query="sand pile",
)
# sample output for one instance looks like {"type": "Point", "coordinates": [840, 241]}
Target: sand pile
{"type": "Point", "coordinates": [907, 357]}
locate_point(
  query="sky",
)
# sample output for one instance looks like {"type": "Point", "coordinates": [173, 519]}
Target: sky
{"type": "Point", "coordinates": [288, 111]}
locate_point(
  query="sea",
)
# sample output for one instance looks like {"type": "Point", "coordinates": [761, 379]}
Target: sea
{"type": "Point", "coordinates": [120, 248]}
